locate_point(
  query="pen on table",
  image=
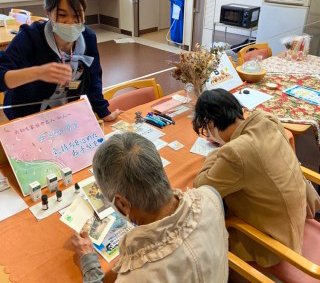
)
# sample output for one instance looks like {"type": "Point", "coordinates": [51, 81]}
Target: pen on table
{"type": "Point", "coordinates": [161, 118]}
{"type": "Point", "coordinates": [164, 116]}
{"type": "Point", "coordinates": [156, 120]}
{"type": "Point", "coordinates": [153, 123]}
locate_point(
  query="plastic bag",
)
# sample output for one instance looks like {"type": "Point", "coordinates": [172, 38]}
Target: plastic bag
{"type": "Point", "coordinates": [297, 46]}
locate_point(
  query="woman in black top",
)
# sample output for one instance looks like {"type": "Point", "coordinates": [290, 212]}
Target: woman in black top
{"type": "Point", "coordinates": [52, 63]}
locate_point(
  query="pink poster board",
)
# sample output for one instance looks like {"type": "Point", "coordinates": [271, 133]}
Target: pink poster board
{"type": "Point", "coordinates": [46, 142]}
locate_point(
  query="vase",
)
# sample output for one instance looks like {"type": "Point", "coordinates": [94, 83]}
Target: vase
{"type": "Point", "coordinates": [193, 91]}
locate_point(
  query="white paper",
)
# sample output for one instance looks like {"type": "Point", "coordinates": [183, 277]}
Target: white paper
{"type": "Point", "coordinates": [77, 214]}
{"type": "Point", "coordinates": [124, 40]}
{"type": "Point", "coordinates": [176, 12]}
{"type": "Point", "coordinates": [62, 211]}
{"type": "Point", "coordinates": [176, 145]}
{"type": "Point", "coordinates": [10, 203]}
{"type": "Point", "coordinates": [159, 143]}
{"type": "Point", "coordinates": [203, 147]}
{"type": "Point", "coordinates": [80, 216]}
{"type": "Point", "coordinates": [253, 99]}
{"type": "Point", "coordinates": [149, 132]}
{"type": "Point", "coordinates": [177, 111]}
{"type": "Point", "coordinates": [180, 98]}
{"type": "Point", "coordinates": [165, 162]}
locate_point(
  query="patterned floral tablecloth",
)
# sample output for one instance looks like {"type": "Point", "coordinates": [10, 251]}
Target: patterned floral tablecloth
{"type": "Point", "coordinates": [287, 108]}
{"type": "Point", "coordinates": [280, 65]}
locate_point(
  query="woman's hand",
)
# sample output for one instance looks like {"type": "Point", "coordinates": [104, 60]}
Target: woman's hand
{"type": "Point", "coordinates": [82, 243]}
{"type": "Point", "coordinates": [56, 73]}
{"type": "Point", "coordinates": [112, 116]}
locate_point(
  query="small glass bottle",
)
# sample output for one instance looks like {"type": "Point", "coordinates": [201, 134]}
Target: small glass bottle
{"type": "Point", "coordinates": [44, 199]}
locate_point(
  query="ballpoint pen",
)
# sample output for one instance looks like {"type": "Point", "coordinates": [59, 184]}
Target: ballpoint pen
{"type": "Point", "coordinates": [151, 122]}
{"type": "Point", "coordinates": [156, 121]}
{"type": "Point", "coordinates": [161, 118]}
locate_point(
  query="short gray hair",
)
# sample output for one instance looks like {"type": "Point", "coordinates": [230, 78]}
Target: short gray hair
{"type": "Point", "coordinates": [130, 165]}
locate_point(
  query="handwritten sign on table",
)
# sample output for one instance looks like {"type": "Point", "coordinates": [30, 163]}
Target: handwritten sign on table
{"type": "Point", "coordinates": [225, 76]}
{"type": "Point", "coordinates": [46, 142]}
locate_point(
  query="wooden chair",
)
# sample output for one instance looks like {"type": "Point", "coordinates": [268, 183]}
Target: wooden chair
{"type": "Point", "coordinates": [259, 49]}
{"type": "Point", "coordinates": [246, 270]}
{"type": "Point", "coordinates": [285, 253]}
{"type": "Point", "coordinates": [21, 11]}
{"type": "Point", "coordinates": [1, 98]}
{"type": "Point", "coordinates": [233, 63]}
{"type": "Point", "coordinates": [296, 129]}
{"type": "Point", "coordinates": [146, 91]}
{"type": "Point", "coordinates": [21, 16]}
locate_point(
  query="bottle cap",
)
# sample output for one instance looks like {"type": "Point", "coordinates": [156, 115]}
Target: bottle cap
{"type": "Point", "coordinates": [59, 194]}
{"type": "Point", "coordinates": [76, 186]}
{"type": "Point", "coordinates": [44, 198]}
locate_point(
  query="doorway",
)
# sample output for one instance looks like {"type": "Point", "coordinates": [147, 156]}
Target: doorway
{"type": "Point", "coordinates": [152, 20]}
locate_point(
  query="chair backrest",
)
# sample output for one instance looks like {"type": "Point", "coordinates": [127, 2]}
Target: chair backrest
{"type": "Point", "coordinates": [146, 91]}
{"type": "Point", "coordinates": [1, 98]}
{"type": "Point", "coordinates": [21, 16]}
{"type": "Point", "coordinates": [246, 53]}
{"type": "Point", "coordinates": [21, 11]}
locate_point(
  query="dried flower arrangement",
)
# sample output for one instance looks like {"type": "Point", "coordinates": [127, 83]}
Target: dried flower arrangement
{"type": "Point", "coordinates": [195, 67]}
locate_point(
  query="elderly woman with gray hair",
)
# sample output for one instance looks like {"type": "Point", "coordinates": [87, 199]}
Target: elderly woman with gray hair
{"type": "Point", "coordinates": [179, 237]}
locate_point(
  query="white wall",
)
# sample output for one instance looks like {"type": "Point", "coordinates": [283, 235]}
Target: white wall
{"type": "Point", "coordinates": [164, 14]}
{"type": "Point", "coordinates": [109, 8]}
{"type": "Point", "coordinates": [188, 23]}
{"type": "Point", "coordinates": [148, 14]}
{"type": "Point", "coordinates": [126, 15]}
{"type": "Point", "coordinates": [92, 7]}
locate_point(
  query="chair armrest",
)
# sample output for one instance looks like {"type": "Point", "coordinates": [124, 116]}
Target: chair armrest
{"type": "Point", "coordinates": [275, 247]}
{"type": "Point", "coordinates": [246, 270]}
{"type": "Point", "coordinates": [311, 175]}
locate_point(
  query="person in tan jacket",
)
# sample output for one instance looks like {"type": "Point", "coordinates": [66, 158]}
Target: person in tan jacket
{"type": "Point", "coordinates": [180, 237]}
{"type": "Point", "coordinates": [257, 174]}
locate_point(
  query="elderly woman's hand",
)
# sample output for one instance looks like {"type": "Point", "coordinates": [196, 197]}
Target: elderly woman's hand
{"type": "Point", "coordinates": [82, 243]}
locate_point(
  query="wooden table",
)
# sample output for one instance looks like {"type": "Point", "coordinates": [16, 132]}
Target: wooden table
{"type": "Point", "coordinates": [35, 251]}
{"type": "Point", "coordinates": [5, 35]}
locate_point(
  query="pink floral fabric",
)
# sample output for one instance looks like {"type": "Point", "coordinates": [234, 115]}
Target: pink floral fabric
{"type": "Point", "coordinates": [287, 108]}
{"type": "Point", "coordinates": [280, 65]}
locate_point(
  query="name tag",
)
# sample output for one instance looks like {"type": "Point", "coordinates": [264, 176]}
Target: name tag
{"type": "Point", "coordinates": [74, 85]}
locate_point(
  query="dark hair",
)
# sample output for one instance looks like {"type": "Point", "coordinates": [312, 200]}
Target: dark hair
{"type": "Point", "coordinates": [218, 106]}
{"type": "Point", "coordinates": [76, 5]}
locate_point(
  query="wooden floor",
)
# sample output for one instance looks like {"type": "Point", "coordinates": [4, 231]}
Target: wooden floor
{"type": "Point", "coordinates": [127, 61]}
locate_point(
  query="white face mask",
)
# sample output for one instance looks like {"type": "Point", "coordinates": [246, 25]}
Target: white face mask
{"type": "Point", "coordinates": [217, 136]}
{"type": "Point", "coordinates": [68, 32]}
{"type": "Point", "coordinates": [125, 217]}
